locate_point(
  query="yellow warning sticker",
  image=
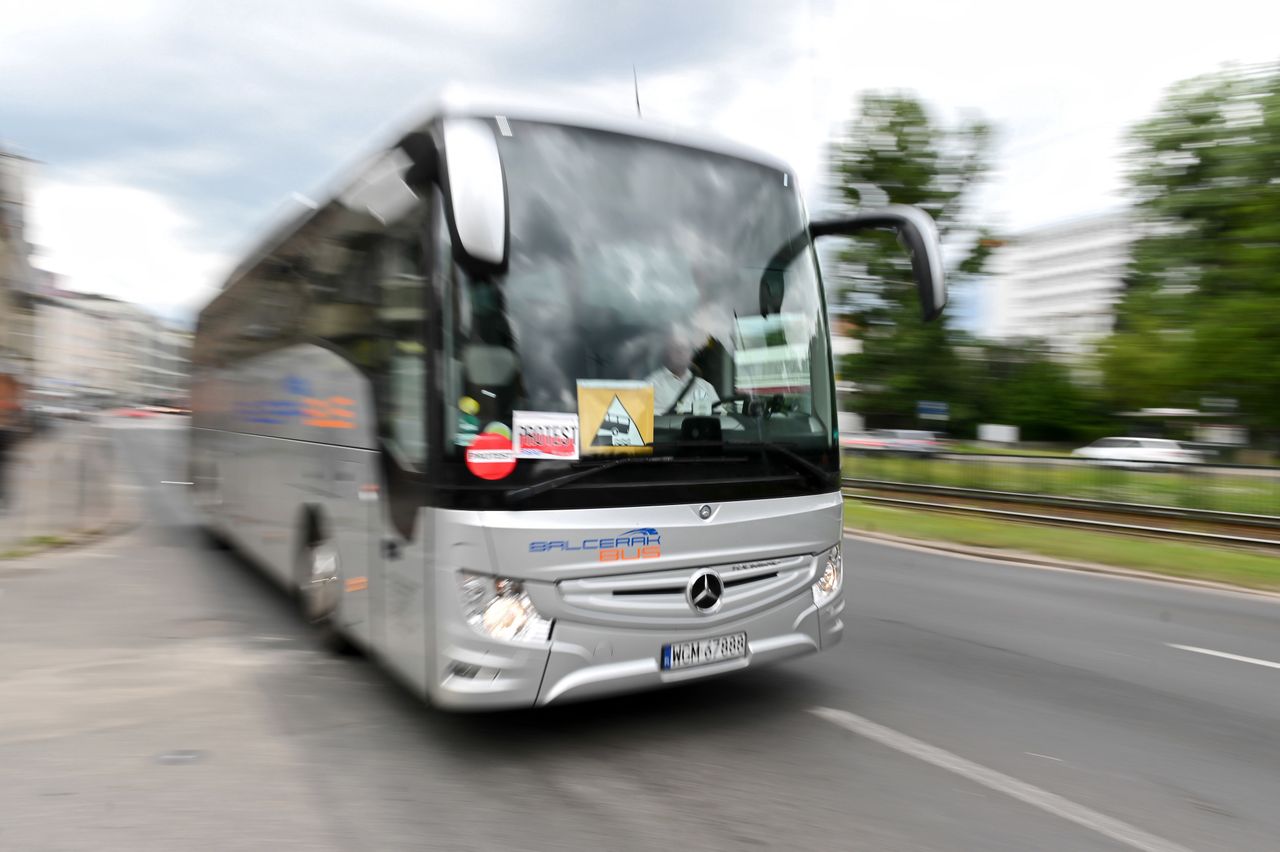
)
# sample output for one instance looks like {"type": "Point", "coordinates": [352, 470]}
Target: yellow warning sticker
{"type": "Point", "coordinates": [615, 418]}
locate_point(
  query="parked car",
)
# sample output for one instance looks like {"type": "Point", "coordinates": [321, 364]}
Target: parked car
{"type": "Point", "coordinates": [1138, 452]}
{"type": "Point", "coordinates": [66, 412]}
{"type": "Point", "coordinates": [915, 442]}
{"type": "Point", "coordinates": [860, 442]}
{"type": "Point", "coordinates": [136, 413]}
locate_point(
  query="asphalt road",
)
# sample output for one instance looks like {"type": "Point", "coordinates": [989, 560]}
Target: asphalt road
{"type": "Point", "coordinates": [156, 694]}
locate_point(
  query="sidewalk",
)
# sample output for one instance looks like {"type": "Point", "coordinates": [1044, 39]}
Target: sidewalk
{"type": "Point", "coordinates": [61, 485]}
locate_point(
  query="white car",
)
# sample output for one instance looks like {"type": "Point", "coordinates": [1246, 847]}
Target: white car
{"type": "Point", "coordinates": [1138, 452]}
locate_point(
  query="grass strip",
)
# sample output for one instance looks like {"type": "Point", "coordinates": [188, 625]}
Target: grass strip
{"type": "Point", "coordinates": [987, 450]}
{"type": "Point", "coordinates": [1188, 488]}
{"type": "Point", "coordinates": [1252, 569]}
{"type": "Point", "coordinates": [36, 544]}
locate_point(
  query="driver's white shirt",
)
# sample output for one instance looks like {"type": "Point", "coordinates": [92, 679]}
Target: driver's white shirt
{"type": "Point", "coordinates": [699, 399]}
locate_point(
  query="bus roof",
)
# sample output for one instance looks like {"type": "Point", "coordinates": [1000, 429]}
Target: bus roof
{"type": "Point", "coordinates": [456, 106]}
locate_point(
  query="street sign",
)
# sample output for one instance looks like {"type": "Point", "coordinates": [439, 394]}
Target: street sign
{"type": "Point", "coordinates": [927, 410]}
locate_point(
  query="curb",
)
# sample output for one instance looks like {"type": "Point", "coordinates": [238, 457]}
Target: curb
{"type": "Point", "coordinates": [69, 543]}
{"type": "Point", "coordinates": [1032, 560]}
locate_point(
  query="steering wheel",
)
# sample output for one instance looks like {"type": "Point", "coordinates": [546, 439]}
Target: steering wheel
{"type": "Point", "coordinates": [745, 398]}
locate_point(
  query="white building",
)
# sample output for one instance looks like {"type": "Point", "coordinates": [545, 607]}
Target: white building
{"type": "Point", "coordinates": [1061, 283]}
{"type": "Point", "coordinates": [93, 347]}
{"type": "Point", "coordinates": [165, 370]}
{"type": "Point", "coordinates": [17, 279]}
{"type": "Point", "coordinates": [70, 343]}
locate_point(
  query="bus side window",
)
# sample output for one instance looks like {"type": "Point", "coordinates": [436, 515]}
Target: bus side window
{"type": "Point", "coordinates": [402, 300]}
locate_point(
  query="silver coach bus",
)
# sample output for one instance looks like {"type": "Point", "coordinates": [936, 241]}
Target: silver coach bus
{"type": "Point", "coordinates": [534, 409]}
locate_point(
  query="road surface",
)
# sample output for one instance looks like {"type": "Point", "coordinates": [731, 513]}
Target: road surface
{"type": "Point", "coordinates": [156, 694]}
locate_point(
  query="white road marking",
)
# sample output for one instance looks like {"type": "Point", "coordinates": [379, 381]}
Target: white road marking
{"type": "Point", "coordinates": [174, 482]}
{"type": "Point", "coordinates": [1045, 756]}
{"type": "Point", "coordinates": [1051, 803]}
{"type": "Point", "coordinates": [1224, 655]}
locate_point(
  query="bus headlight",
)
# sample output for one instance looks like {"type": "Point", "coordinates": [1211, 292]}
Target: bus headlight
{"type": "Point", "coordinates": [830, 578]}
{"type": "Point", "coordinates": [499, 607]}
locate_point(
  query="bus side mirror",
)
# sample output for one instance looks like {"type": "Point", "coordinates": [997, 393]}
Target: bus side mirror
{"type": "Point", "coordinates": [475, 192]}
{"type": "Point", "coordinates": [918, 235]}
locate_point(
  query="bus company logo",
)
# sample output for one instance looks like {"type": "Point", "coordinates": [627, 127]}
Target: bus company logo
{"type": "Point", "coordinates": [300, 407]}
{"type": "Point", "coordinates": [335, 412]}
{"type": "Point", "coordinates": [640, 543]}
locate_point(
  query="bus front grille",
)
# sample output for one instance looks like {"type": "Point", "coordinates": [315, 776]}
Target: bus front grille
{"type": "Point", "coordinates": [659, 598]}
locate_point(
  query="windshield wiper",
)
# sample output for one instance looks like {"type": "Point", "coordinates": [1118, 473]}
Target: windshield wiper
{"type": "Point", "coordinates": [546, 485]}
{"type": "Point", "coordinates": [522, 494]}
{"type": "Point", "coordinates": [799, 463]}
{"type": "Point", "coordinates": [802, 465]}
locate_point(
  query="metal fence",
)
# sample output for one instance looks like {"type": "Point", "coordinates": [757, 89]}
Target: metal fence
{"type": "Point", "coordinates": [1244, 489]}
{"type": "Point", "coordinates": [57, 484]}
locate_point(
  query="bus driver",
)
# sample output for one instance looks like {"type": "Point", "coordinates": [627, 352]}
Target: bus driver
{"type": "Point", "coordinates": [676, 390]}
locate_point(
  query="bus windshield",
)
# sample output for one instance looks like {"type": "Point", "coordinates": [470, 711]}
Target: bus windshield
{"type": "Point", "coordinates": [643, 300]}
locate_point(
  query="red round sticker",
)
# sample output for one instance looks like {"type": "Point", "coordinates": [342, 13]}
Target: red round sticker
{"type": "Point", "coordinates": [490, 456]}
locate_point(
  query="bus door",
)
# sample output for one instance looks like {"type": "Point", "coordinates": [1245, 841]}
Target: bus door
{"type": "Point", "coordinates": [356, 536]}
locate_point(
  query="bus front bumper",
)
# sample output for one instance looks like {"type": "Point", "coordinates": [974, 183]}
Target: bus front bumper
{"type": "Point", "coordinates": [584, 661]}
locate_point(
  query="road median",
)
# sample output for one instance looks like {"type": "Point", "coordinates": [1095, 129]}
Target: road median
{"type": "Point", "coordinates": [1194, 564]}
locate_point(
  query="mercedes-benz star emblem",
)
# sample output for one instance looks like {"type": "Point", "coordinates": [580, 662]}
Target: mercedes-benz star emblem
{"type": "Point", "coordinates": [704, 512]}
{"type": "Point", "coordinates": [705, 592]}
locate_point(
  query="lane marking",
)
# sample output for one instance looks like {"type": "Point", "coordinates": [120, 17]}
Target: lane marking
{"type": "Point", "coordinates": [1048, 802]}
{"type": "Point", "coordinates": [174, 482]}
{"type": "Point", "coordinates": [1045, 756]}
{"type": "Point", "coordinates": [1224, 655]}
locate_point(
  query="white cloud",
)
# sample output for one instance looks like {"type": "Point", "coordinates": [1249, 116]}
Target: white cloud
{"type": "Point", "coordinates": [199, 119]}
{"type": "Point", "coordinates": [1061, 84]}
{"type": "Point", "coordinates": [123, 242]}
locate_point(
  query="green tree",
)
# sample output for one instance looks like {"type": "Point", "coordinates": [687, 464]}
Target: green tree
{"type": "Point", "coordinates": [1202, 315]}
{"type": "Point", "coordinates": [1021, 384]}
{"type": "Point", "coordinates": [894, 151]}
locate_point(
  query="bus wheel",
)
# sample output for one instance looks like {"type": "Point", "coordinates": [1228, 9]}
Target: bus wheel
{"type": "Point", "coordinates": [213, 539]}
{"type": "Point", "coordinates": [206, 499]}
{"type": "Point", "coordinates": [318, 589]}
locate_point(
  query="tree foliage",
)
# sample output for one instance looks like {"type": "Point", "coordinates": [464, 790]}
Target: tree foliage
{"type": "Point", "coordinates": [1021, 384]}
{"type": "Point", "coordinates": [894, 151]}
{"type": "Point", "coordinates": [1202, 314]}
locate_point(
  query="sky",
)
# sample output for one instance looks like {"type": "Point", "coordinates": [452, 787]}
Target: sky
{"type": "Point", "coordinates": [168, 135]}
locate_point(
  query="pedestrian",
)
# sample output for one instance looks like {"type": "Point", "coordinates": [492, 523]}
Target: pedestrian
{"type": "Point", "coordinates": [9, 412]}
{"type": "Point", "coordinates": [5, 441]}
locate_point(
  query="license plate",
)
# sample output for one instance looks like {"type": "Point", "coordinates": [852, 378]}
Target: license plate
{"type": "Point", "coordinates": [699, 652]}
